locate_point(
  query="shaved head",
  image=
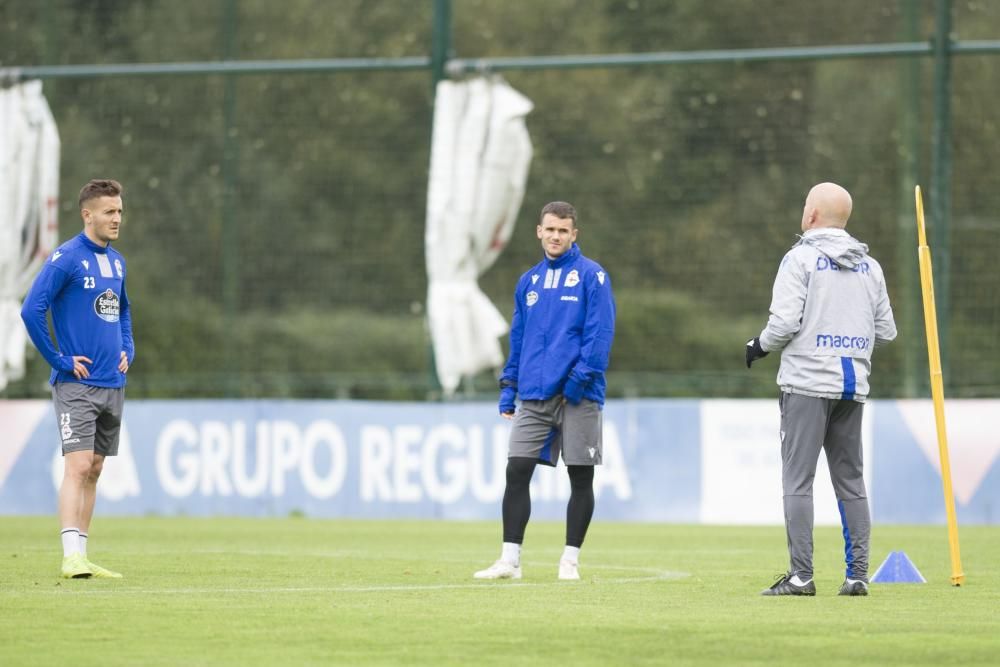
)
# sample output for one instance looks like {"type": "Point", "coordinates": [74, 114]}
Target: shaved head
{"type": "Point", "coordinates": [827, 205]}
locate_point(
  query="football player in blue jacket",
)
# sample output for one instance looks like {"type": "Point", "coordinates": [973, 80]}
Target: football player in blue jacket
{"type": "Point", "coordinates": [83, 285]}
{"type": "Point", "coordinates": [560, 342]}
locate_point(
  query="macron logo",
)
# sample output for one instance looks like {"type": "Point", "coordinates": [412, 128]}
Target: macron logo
{"type": "Point", "coordinates": [56, 255]}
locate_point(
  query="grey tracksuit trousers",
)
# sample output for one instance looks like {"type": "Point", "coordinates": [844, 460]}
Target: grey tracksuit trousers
{"type": "Point", "coordinates": [808, 425]}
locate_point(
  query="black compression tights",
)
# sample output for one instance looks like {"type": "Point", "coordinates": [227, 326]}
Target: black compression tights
{"type": "Point", "coordinates": [517, 501]}
{"type": "Point", "coordinates": [517, 498]}
{"type": "Point", "coordinates": [581, 504]}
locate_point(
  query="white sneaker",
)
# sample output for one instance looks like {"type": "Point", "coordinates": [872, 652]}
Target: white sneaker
{"type": "Point", "coordinates": [499, 570]}
{"type": "Point", "coordinates": [568, 570]}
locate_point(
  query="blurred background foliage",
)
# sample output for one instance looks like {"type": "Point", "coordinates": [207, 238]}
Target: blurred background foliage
{"type": "Point", "coordinates": [274, 222]}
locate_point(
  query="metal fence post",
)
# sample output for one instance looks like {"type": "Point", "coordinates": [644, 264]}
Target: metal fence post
{"type": "Point", "coordinates": [941, 176]}
{"type": "Point", "coordinates": [441, 36]}
{"type": "Point", "coordinates": [907, 286]}
{"type": "Point", "coordinates": [440, 53]}
{"type": "Point", "coordinates": [230, 240]}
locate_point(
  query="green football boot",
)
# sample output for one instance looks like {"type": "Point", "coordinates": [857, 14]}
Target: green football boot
{"type": "Point", "coordinates": [103, 572]}
{"type": "Point", "coordinates": [75, 566]}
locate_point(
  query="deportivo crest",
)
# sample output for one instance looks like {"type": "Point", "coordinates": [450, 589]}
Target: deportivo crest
{"type": "Point", "coordinates": [600, 277]}
{"type": "Point", "coordinates": [86, 264]}
{"type": "Point", "coordinates": [534, 279]}
{"type": "Point", "coordinates": [531, 298]}
{"type": "Point", "coordinates": [572, 279]}
{"type": "Point", "coordinates": [107, 306]}
{"type": "Point", "coordinates": [118, 267]}
{"type": "Point", "coordinates": [65, 427]}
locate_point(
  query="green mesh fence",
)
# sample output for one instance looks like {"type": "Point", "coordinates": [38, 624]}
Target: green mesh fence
{"type": "Point", "coordinates": [274, 222]}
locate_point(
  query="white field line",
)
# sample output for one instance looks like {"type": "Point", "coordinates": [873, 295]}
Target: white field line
{"type": "Point", "coordinates": [455, 556]}
{"type": "Point", "coordinates": [652, 576]}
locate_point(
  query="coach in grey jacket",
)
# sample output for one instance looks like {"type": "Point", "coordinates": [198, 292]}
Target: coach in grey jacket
{"type": "Point", "coordinates": [829, 310]}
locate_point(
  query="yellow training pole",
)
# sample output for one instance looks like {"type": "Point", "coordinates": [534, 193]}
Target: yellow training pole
{"type": "Point", "coordinates": [937, 388]}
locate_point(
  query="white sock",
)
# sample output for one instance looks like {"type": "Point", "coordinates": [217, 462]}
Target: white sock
{"type": "Point", "coordinates": [571, 554]}
{"type": "Point", "coordinates": [798, 581]}
{"type": "Point", "coordinates": [83, 544]}
{"type": "Point", "coordinates": [70, 541]}
{"type": "Point", "coordinates": [511, 553]}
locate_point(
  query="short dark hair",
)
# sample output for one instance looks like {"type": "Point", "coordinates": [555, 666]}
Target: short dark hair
{"type": "Point", "coordinates": [100, 187]}
{"type": "Point", "coordinates": [560, 209]}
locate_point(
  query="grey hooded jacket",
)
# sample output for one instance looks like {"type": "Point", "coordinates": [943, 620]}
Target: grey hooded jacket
{"type": "Point", "coordinates": [829, 310]}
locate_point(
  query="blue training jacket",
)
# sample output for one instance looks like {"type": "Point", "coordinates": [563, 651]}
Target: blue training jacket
{"type": "Point", "coordinates": [563, 326]}
{"type": "Point", "coordinates": [84, 286]}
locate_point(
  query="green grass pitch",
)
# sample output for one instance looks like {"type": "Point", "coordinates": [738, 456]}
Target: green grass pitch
{"type": "Point", "coordinates": [309, 592]}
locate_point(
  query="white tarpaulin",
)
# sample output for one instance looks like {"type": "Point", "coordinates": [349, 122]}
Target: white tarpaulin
{"type": "Point", "coordinates": [29, 195]}
{"type": "Point", "coordinates": [480, 154]}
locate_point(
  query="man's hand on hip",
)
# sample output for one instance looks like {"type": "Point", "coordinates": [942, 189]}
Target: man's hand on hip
{"type": "Point", "coordinates": [79, 370]}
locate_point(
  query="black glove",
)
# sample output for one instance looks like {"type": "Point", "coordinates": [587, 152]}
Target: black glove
{"type": "Point", "coordinates": [754, 351]}
{"type": "Point", "coordinates": [508, 392]}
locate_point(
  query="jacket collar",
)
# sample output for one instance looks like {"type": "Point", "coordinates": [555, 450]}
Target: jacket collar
{"type": "Point", "coordinates": [828, 231]}
{"type": "Point", "coordinates": [563, 259]}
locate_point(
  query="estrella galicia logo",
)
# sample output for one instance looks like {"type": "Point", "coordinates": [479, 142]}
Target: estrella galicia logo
{"type": "Point", "coordinates": [107, 306]}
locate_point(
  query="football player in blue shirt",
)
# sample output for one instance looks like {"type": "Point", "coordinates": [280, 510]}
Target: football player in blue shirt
{"type": "Point", "coordinates": [560, 341]}
{"type": "Point", "coordinates": [83, 285]}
